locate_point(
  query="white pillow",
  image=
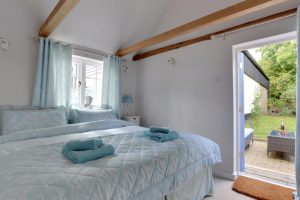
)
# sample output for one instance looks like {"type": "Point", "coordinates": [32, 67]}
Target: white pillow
{"type": "Point", "coordinates": [79, 116]}
{"type": "Point", "coordinates": [11, 107]}
{"type": "Point", "coordinates": [19, 120]}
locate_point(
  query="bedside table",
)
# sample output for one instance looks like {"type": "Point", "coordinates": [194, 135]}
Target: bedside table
{"type": "Point", "coordinates": [133, 119]}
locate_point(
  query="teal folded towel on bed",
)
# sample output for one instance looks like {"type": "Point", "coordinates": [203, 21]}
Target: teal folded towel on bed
{"type": "Point", "coordinates": [84, 144]}
{"type": "Point", "coordinates": [88, 155]}
{"type": "Point", "coordinates": [162, 137]}
{"type": "Point", "coordinates": [154, 129]}
{"type": "Point", "coordinates": [77, 156]}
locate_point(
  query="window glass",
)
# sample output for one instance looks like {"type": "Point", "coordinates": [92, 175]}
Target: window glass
{"type": "Point", "coordinates": [87, 76]}
{"type": "Point", "coordinates": [93, 88]}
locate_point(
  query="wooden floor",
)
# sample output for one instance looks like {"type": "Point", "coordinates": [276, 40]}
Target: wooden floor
{"type": "Point", "coordinates": [276, 166]}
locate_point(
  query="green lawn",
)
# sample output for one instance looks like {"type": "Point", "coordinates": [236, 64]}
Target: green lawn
{"type": "Point", "coordinates": [263, 124]}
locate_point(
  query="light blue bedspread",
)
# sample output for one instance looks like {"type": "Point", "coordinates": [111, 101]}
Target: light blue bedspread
{"type": "Point", "coordinates": [139, 169]}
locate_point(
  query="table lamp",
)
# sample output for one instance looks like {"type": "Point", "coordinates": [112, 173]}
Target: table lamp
{"type": "Point", "coordinates": [127, 100]}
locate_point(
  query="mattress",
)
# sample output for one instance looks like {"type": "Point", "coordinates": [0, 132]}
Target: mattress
{"type": "Point", "coordinates": [248, 132]}
{"type": "Point", "coordinates": [32, 167]}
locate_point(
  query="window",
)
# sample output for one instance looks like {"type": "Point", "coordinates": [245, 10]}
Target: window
{"type": "Point", "coordinates": [87, 76]}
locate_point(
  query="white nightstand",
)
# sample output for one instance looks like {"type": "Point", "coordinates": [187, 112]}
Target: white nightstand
{"type": "Point", "coordinates": [133, 119]}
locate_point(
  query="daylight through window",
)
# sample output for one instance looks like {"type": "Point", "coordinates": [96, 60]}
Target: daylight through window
{"type": "Point", "coordinates": [87, 76]}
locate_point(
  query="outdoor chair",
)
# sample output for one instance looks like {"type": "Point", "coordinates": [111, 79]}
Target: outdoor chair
{"type": "Point", "coordinates": [281, 143]}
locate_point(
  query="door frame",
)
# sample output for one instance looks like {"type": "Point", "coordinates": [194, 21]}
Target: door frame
{"type": "Point", "coordinates": [236, 92]}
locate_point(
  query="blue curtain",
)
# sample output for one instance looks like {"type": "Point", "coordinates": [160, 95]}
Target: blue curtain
{"type": "Point", "coordinates": [298, 108]}
{"type": "Point", "coordinates": [53, 75]}
{"type": "Point", "coordinates": [111, 89]}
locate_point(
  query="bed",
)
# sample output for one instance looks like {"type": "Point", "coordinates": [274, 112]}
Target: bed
{"type": "Point", "coordinates": [32, 166]}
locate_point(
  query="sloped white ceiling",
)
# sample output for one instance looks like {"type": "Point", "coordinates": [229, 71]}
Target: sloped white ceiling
{"type": "Point", "coordinates": [107, 25]}
{"type": "Point", "coordinates": [18, 14]}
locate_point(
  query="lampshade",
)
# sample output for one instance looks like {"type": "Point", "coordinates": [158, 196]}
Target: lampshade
{"type": "Point", "coordinates": [127, 99]}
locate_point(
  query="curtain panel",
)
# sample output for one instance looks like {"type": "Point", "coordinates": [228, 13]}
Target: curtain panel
{"type": "Point", "coordinates": [53, 75]}
{"type": "Point", "coordinates": [111, 88]}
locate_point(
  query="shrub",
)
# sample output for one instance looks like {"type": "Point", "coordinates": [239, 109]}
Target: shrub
{"type": "Point", "coordinates": [286, 104]}
{"type": "Point", "coordinates": [289, 99]}
{"type": "Point", "coordinates": [256, 110]}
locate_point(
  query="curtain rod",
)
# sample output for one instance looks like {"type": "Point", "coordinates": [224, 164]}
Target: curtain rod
{"type": "Point", "coordinates": [287, 14]}
{"type": "Point", "coordinates": [82, 49]}
{"type": "Point", "coordinates": [37, 39]}
{"type": "Point", "coordinates": [90, 52]}
{"type": "Point", "coordinates": [95, 53]}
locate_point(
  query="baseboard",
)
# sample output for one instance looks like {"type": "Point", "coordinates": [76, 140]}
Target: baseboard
{"type": "Point", "coordinates": [224, 174]}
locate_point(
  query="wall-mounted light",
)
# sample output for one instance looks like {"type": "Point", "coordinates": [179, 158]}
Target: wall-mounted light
{"type": "Point", "coordinates": [4, 44]}
{"type": "Point", "coordinates": [172, 61]}
{"type": "Point", "coordinates": [124, 68]}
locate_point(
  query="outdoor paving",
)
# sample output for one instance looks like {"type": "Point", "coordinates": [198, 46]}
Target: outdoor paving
{"type": "Point", "coordinates": [277, 165]}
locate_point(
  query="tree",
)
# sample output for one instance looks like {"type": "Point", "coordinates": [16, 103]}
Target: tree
{"type": "Point", "coordinates": [279, 63]}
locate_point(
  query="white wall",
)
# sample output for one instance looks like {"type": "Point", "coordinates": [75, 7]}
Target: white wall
{"type": "Point", "coordinates": [196, 95]}
{"type": "Point", "coordinates": [17, 65]}
{"type": "Point", "coordinates": [20, 22]}
{"type": "Point", "coordinates": [251, 87]}
{"type": "Point", "coordinates": [129, 85]}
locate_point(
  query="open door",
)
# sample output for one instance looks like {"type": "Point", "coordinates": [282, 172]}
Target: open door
{"type": "Point", "coordinates": [241, 111]}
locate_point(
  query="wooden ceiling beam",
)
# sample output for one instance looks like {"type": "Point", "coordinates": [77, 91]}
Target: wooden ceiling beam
{"type": "Point", "coordinates": [246, 25]}
{"type": "Point", "coordinates": [229, 13]}
{"type": "Point", "coordinates": [61, 10]}
{"type": "Point", "coordinates": [171, 47]}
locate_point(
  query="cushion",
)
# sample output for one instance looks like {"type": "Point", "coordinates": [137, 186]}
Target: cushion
{"type": "Point", "coordinates": [11, 107]}
{"type": "Point", "coordinates": [85, 115]}
{"type": "Point", "coordinates": [19, 120]}
{"type": "Point", "coordinates": [248, 131]}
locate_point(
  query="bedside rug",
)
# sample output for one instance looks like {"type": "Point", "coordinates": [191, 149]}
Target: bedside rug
{"type": "Point", "coordinates": [261, 190]}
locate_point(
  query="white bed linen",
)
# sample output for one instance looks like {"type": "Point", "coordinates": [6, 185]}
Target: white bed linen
{"type": "Point", "coordinates": [19, 145]}
{"type": "Point", "coordinates": [141, 168]}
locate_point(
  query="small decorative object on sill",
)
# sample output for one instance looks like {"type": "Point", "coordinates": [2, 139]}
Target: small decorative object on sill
{"type": "Point", "coordinates": [88, 102]}
{"type": "Point", "coordinates": [127, 100]}
{"type": "Point", "coordinates": [282, 130]}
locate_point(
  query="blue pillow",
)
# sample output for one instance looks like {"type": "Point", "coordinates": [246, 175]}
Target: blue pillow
{"type": "Point", "coordinates": [19, 120]}
{"type": "Point", "coordinates": [79, 116]}
{"type": "Point", "coordinates": [12, 107]}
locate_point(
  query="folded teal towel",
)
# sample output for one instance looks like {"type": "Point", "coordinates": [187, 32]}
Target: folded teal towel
{"type": "Point", "coordinates": [84, 144]}
{"type": "Point", "coordinates": [162, 137]}
{"type": "Point", "coordinates": [154, 129]}
{"type": "Point", "coordinates": [88, 155]}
